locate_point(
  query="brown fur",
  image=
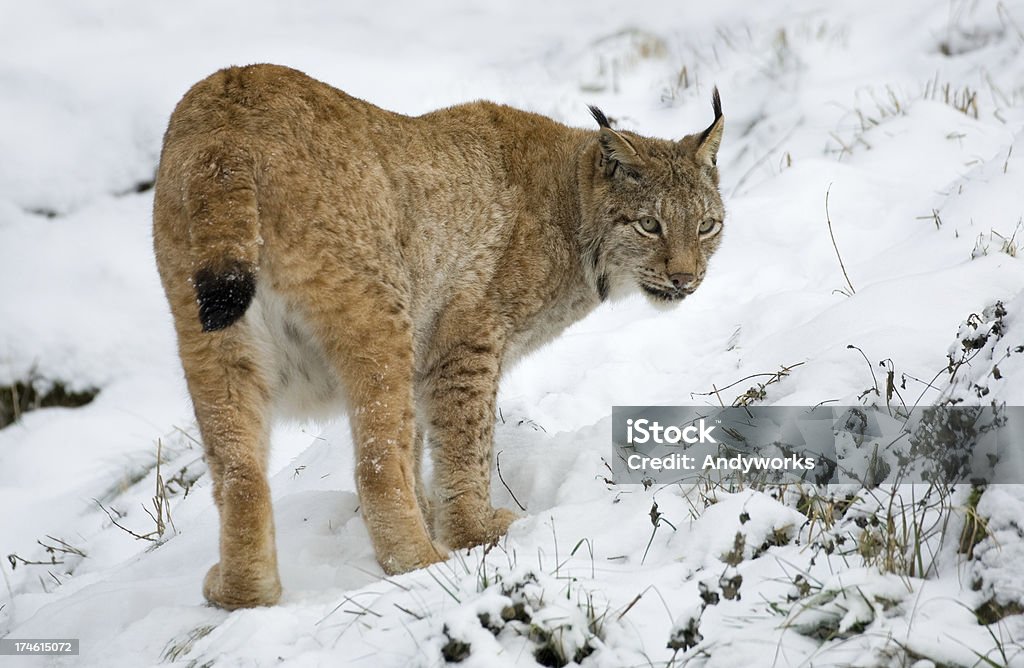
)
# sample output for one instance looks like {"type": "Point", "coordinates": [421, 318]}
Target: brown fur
{"type": "Point", "coordinates": [319, 252]}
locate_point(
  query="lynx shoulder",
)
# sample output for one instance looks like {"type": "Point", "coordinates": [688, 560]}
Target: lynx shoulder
{"type": "Point", "coordinates": [322, 255]}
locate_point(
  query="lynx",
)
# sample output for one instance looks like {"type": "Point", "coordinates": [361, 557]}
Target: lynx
{"type": "Point", "coordinates": [322, 255]}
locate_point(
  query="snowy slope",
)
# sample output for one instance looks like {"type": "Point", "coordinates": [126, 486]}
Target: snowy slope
{"type": "Point", "coordinates": [909, 116]}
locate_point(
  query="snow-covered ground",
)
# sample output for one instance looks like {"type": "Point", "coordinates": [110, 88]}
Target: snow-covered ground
{"type": "Point", "coordinates": [909, 115]}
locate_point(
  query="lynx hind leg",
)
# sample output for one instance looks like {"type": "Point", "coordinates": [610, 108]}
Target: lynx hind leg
{"type": "Point", "coordinates": [368, 337]}
{"type": "Point", "coordinates": [461, 406]}
{"type": "Point", "coordinates": [231, 402]}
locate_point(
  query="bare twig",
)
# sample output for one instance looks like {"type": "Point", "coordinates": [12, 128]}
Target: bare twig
{"type": "Point", "coordinates": [14, 560]}
{"type": "Point", "coordinates": [188, 436]}
{"type": "Point", "coordinates": [636, 599]}
{"type": "Point", "coordinates": [717, 395]}
{"type": "Point", "coordinates": [829, 220]}
{"type": "Point", "coordinates": [717, 390]}
{"type": "Point", "coordinates": [497, 464]}
{"type": "Point", "coordinates": [148, 536]}
{"type": "Point", "coordinates": [63, 546]}
{"type": "Point", "coordinates": [409, 612]}
{"type": "Point", "coordinates": [874, 379]}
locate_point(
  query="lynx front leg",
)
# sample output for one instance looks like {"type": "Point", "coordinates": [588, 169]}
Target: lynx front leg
{"type": "Point", "coordinates": [386, 459]}
{"type": "Point", "coordinates": [461, 408]}
{"type": "Point", "coordinates": [231, 404]}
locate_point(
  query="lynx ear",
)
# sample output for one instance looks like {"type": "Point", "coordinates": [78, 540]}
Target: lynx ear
{"type": "Point", "coordinates": [711, 139]}
{"type": "Point", "coordinates": [616, 149]}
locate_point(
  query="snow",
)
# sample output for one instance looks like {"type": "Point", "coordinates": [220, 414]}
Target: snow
{"type": "Point", "coordinates": [908, 117]}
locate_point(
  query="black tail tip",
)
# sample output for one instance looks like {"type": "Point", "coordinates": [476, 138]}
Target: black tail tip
{"type": "Point", "coordinates": [223, 296]}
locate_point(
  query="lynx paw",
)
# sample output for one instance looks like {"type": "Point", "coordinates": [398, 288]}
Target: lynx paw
{"type": "Point", "coordinates": [247, 591]}
{"type": "Point", "coordinates": [409, 557]}
{"type": "Point", "coordinates": [477, 528]}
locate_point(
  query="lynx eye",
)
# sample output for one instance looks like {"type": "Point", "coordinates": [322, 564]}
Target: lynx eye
{"type": "Point", "coordinates": [649, 225]}
{"type": "Point", "coordinates": [708, 227]}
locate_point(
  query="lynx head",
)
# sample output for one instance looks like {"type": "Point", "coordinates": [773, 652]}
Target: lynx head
{"type": "Point", "coordinates": [652, 211]}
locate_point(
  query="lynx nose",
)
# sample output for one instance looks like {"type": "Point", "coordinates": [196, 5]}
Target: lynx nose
{"type": "Point", "coordinates": [681, 280]}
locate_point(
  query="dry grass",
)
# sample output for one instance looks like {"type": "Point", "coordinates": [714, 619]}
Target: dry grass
{"type": "Point", "coordinates": [34, 393]}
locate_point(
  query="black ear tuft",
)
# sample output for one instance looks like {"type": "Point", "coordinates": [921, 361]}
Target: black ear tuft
{"type": "Point", "coordinates": [599, 116]}
{"type": "Point", "coordinates": [716, 104]}
{"type": "Point", "coordinates": [223, 296]}
{"type": "Point", "coordinates": [711, 139]}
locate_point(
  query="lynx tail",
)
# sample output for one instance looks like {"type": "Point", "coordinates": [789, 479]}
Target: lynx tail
{"type": "Point", "coordinates": [225, 235]}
